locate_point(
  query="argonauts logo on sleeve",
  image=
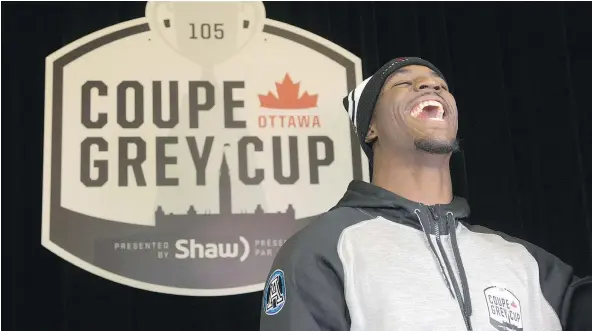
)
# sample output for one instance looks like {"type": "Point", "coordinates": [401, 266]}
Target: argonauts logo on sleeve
{"type": "Point", "coordinates": [183, 148]}
{"type": "Point", "coordinates": [274, 294]}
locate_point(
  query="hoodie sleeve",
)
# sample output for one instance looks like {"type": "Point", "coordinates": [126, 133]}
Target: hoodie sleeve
{"type": "Point", "coordinates": [304, 289]}
{"type": "Point", "coordinates": [565, 292]}
{"type": "Point", "coordinates": [578, 304]}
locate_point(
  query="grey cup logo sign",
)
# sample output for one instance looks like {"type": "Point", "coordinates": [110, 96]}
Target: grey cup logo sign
{"type": "Point", "coordinates": [184, 148]}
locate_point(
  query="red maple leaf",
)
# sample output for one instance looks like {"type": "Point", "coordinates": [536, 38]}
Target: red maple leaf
{"type": "Point", "coordinates": [287, 98]}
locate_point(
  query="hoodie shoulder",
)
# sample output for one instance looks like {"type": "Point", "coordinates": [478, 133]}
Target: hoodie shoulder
{"type": "Point", "coordinates": [318, 241]}
{"type": "Point", "coordinates": [321, 235]}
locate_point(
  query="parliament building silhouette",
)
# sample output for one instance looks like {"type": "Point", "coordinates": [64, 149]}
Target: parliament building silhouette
{"type": "Point", "coordinates": [225, 213]}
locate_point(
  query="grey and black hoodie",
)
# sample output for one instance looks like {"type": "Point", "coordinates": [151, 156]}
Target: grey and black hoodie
{"type": "Point", "coordinates": [379, 262]}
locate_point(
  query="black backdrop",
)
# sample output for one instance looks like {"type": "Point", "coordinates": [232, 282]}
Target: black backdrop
{"type": "Point", "coordinates": [522, 75]}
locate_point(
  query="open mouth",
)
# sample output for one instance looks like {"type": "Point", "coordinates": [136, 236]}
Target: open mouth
{"type": "Point", "coordinates": [428, 110]}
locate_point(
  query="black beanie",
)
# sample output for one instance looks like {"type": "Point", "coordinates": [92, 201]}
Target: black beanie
{"type": "Point", "coordinates": [360, 102]}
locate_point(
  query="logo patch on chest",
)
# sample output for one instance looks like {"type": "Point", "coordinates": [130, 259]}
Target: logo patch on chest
{"type": "Point", "coordinates": [504, 309]}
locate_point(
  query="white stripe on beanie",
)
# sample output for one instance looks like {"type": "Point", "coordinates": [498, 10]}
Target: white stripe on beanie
{"type": "Point", "coordinates": [353, 100]}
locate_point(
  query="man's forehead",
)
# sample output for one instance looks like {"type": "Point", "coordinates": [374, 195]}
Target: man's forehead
{"type": "Point", "coordinates": [415, 69]}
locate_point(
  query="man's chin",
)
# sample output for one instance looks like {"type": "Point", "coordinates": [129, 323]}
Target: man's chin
{"type": "Point", "coordinates": [438, 147]}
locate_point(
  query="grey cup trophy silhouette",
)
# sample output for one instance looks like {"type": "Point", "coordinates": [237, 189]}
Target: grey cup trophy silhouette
{"type": "Point", "coordinates": [207, 34]}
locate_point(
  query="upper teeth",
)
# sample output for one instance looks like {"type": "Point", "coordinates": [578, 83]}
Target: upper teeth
{"type": "Point", "coordinates": [419, 108]}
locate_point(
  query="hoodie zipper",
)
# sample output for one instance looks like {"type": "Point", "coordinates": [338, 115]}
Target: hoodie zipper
{"type": "Point", "coordinates": [433, 250]}
{"type": "Point", "coordinates": [463, 301]}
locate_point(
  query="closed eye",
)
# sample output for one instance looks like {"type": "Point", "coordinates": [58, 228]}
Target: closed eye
{"type": "Point", "coordinates": [405, 83]}
{"type": "Point", "coordinates": [388, 86]}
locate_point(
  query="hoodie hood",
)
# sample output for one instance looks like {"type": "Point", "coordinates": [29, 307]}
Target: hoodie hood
{"type": "Point", "coordinates": [380, 202]}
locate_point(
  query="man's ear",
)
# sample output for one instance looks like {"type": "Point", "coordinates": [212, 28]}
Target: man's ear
{"type": "Point", "coordinates": [372, 134]}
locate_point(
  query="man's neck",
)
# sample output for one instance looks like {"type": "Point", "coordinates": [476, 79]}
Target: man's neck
{"type": "Point", "coordinates": [417, 176]}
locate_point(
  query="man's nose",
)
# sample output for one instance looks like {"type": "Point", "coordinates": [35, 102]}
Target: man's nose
{"type": "Point", "coordinates": [427, 83]}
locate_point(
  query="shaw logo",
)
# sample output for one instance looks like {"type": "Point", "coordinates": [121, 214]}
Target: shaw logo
{"type": "Point", "coordinates": [504, 309]}
{"type": "Point", "coordinates": [288, 98]}
{"type": "Point", "coordinates": [191, 249]}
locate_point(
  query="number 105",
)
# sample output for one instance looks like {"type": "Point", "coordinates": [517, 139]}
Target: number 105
{"type": "Point", "coordinates": [206, 31]}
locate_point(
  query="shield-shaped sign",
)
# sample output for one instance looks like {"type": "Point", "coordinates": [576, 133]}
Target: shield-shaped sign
{"type": "Point", "coordinates": [184, 148]}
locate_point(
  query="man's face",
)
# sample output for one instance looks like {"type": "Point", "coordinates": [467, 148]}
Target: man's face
{"type": "Point", "coordinates": [415, 110]}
